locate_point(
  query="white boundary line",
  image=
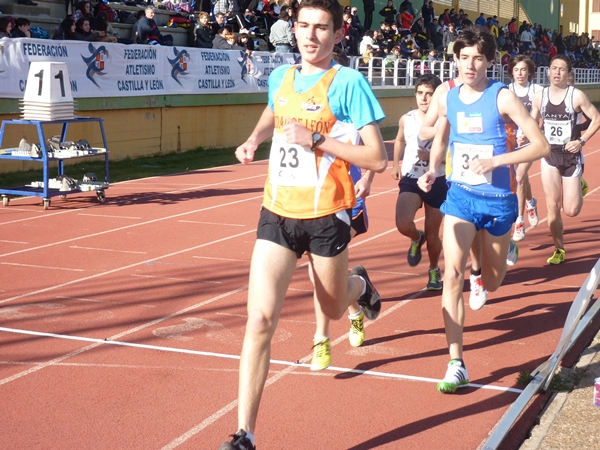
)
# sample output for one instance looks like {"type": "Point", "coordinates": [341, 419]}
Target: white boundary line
{"type": "Point", "coordinates": [110, 341]}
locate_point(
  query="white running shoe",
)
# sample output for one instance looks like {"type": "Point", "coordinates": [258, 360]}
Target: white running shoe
{"type": "Point", "coordinates": [513, 253]}
{"type": "Point", "coordinates": [479, 293]}
{"type": "Point", "coordinates": [532, 214]}
{"type": "Point", "coordinates": [519, 233]}
{"type": "Point", "coordinates": [456, 377]}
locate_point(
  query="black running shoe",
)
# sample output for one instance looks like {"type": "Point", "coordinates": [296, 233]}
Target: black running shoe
{"type": "Point", "coordinates": [239, 441]}
{"type": "Point", "coordinates": [370, 300]}
{"type": "Point", "coordinates": [414, 251]}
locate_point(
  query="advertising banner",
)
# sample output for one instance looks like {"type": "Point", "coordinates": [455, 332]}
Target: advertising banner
{"type": "Point", "coordinates": [98, 69]}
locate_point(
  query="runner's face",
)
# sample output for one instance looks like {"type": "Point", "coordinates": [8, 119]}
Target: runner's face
{"type": "Point", "coordinates": [558, 73]}
{"type": "Point", "coordinates": [316, 37]}
{"type": "Point", "coordinates": [521, 74]}
{"type": "Point", "coordinates": [472, 65]}
{"type": "Point", "coordinates": [423, 95]}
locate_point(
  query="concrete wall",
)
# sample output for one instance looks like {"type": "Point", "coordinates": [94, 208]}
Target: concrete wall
{"type": "Point", "coordinates": [146, 126]}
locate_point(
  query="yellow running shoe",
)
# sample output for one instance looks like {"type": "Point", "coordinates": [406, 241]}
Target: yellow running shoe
{"type": "Point", "coordinates": [321, 354]}
{"type": "Point", "coordinates": [584, 187]}
{"type": "Point", "coordinates": [557, 257]}
{"type": "Point", "coordinates": [357, 331]}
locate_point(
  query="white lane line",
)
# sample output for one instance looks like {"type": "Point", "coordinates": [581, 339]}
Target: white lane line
{"type": "Point", "coordinates": [236, 357]}
{"type": "Point", "coordinates": [189, 280]}
{"type": "Point", "coordinates": [20, 209]}
{"type": "Point", "coordinates": [213, 223]}
{"type": "Point", "coordinates": [142, 197]}
{"type": "Point", "coordinates": [106, 250]}
{"type": "Point", "coordinates": [108, 217]}
{"type": "Point", "coordinates": [112, 339]}
{"type": "Point", "coordinates": [41, 267]}
{"type": "Point", "coordinates": [119, 269]}
{"type": "Point", "coordinates": [13, 242]}
{"type": "Point", "coordinates": [222, 259]}
{"type": "Point", "coordinates": [126, 227]}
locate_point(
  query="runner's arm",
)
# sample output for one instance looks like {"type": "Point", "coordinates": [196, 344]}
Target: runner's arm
{"type": "Point", "coordinates": [263, 130]}
{"type": "Point", "coordinates": [362, 188]}
{"type": "Point", "coordinates": [370, 156]}
{"type": "Point", "coordinates": [511, 107]}
{"type": "Point", "coordinates": [399, 147]}
{"type": "Point", "coordinates": [438, 148]}
{"type": "Point", "coordinates": [582, 101]}
{"type": "Point", "coordinates": [428, 126]}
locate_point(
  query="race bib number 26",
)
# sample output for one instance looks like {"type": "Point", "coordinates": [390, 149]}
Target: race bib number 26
{"type": "Point", "coordinates": [464, 154]}
{"type": "Point", "coordinates": [291, 164]}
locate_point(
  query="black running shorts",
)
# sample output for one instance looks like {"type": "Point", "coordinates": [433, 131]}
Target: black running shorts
{"type": "Point", "coordinates": [326, 236]}
{"type": "Point", "coordinates": [568, 164]}
{"type": "Point", "coordinates": [434, 198]}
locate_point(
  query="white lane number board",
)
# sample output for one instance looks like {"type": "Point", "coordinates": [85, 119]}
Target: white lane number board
{"type": "Point", "coordinates": [48, 82]}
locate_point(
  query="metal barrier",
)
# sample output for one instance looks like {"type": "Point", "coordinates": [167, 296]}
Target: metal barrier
{"type": "Point", "coordinates": [382, 72]}
{"type": "Point", "coordinates": [575, 324]}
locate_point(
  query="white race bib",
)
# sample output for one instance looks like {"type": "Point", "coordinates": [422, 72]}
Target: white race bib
{"type": "Point", "coordinates": [418, 168]}
{"type": "Point", "coordinates": [291, 164]}
{"type": "Point", "coordinates": [558, 132]}
{"type": "Point", "coordinates": [463, 155]}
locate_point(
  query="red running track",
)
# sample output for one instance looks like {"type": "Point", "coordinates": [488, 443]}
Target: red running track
{"type": "Point", "coordinates": [121, 325]}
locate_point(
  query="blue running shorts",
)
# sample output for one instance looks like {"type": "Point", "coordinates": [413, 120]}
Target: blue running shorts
{"type": "Point", "coordinates": [494, 213]}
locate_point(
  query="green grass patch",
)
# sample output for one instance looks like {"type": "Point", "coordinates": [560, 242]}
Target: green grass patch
{"type": "Point", "coordinates": [148, 166]}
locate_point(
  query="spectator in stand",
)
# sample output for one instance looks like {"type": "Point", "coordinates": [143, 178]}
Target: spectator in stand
{"type": "Point", "coordinates": [84, 10]}
{"type": "Point", "coordinates": [245, 42]}
{"type": "Point", "coordinates": [282, 36]}
{"type": "Point", "coordinates": [444, 19]}
{"type": "Point", "coordinates": [367, 40]}
{"type": "Point", "coordinates": [450, 36]}
{"type": "Point", "coordinates": [65, 31]}
{"type": "Point", "coordinates": [559, 44]}
{"type": "Point", "coordinates": [406, 20]}
{"type": "Point", "coordinates": [219, 23]}
{"type": "Point", "coordinates": [222, 7]}
{"type": "Point", "coordinates": [204, 33]}
{"type": "Point", "coordinates": [104, 25]}
{"type": "Point", "coordinates": [431, 30]}
{"type": "Point", "coordinates": [388, 12]}
{"type": "Point", "coordinates": [70, 7]}
{"type": "Point", "coordinates": [427, 12]}
{"type": "Point", "coordinates": [438, 40]}
{"type": "Point", "coordinates": [83, 32]}
{"type": "Point", "coordinates": [5, 27]}
{"type": "Point", "coordinates": [419, 33]}
{"type": "Point", "coordinates": [523, 26]}
{"type": "Point", "coordinates": [221, 42]}
{"type": "Point", "coordinates": [408, 5]}
{"type": "Point", "coordinates": [134, 28]}
{"type": "Point", "coordinates": [148, 32]}
{"type": "Point", "coordinates": [368, 8]}
{"type": "Point", "coordinates": [512, 29]}
{"type": "Point", "coordinates": [22, 29]}
{"type": "Point", "coordinates": [466, 22]}
{"type": "Point", "coordinates": [351, 34]}
{"type": "Point", "coordinates": [356, 20]}
{"type": "Point", "coordinates": [526, 38]}
{"type": "Point", "coordinates": [480, 21]}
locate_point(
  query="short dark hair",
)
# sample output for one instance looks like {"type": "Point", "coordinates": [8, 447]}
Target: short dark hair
{"type": "Point", "coordinates": [522, 58]}
{"type": "Point", "coordinates": [331, 6]}
{"type": "Point", "coordinates": [428, 80]}
{"type": "Point", "coordinates": [564, 58]}
{"type": "Point", "coordinates": [479, 36]}
{"type": "Point", "coordinates": [22, 21]}
{"type": "Point", "coordinates": [284, 13]}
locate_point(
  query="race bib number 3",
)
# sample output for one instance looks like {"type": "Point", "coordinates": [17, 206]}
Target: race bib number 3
{"type": "Point", "coordinates": [464, 154]}
{"type": "Point", "coordinates": [558, 132]}
{"type": "Point", "coordinates": [290, 164]}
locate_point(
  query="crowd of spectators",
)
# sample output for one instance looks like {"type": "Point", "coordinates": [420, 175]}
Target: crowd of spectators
{"type": "Point", "coordinates": [405, 32]}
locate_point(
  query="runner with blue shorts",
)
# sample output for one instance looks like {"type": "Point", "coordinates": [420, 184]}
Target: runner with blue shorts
{"type": "Point", "coordinates": [481, 197]}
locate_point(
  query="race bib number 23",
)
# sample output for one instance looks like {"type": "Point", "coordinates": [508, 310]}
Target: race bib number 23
{"type": "Point", "coordinates": [291, 164]}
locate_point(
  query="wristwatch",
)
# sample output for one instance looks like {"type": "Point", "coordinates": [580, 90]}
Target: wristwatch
{"type": "Point", "coordinates": [317, 139]}
{"type": "Point", "coordinates": [582, 142]}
